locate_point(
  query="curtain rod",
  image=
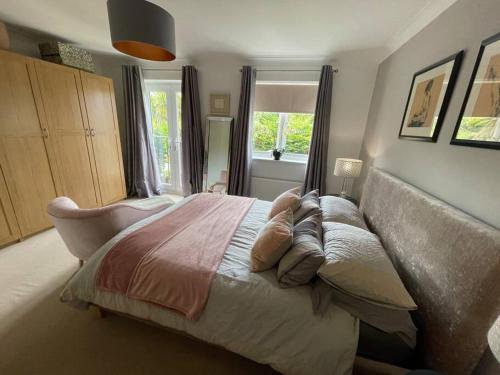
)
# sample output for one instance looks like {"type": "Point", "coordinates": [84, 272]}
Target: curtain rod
{"type": "Point", "coordinates": [258, 70]}
{"type": "Point", "coordinates": [291, 70]}
{"type": "Point", "coordinates": [167, 70]}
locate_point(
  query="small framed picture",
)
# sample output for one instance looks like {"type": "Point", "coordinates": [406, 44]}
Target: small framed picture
{"type": "Point", "coordinates": [479, 122]}
{"type": "Point", "coordinates": [429, 96]}
{"type": "Point", "coordinates": [219, 104]}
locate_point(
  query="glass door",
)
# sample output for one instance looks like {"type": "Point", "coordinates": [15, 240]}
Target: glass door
{"type": "Point", "coordinates": [164, 103]}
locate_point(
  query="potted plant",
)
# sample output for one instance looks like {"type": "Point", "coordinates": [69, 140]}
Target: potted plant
{"type": "Point", "coordinates": [277, 152]}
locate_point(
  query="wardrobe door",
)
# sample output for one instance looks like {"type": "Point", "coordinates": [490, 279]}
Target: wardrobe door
{"type": "Point", "coordinates": [9, 230]}
{"type": "Point", "coordinates": [23, 155]}
{"type": "Point", "coordinates": [69, 137]}
{"type": "Point", "coordinates": [101, 112]}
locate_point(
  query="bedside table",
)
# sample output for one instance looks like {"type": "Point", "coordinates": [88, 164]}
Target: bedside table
{"type": "Point", "coordinates": [350, 199]}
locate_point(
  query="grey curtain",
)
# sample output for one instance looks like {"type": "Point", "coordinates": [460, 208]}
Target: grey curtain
{"type": "Point", "coordinates": [142, 174]}
{"type": "Point", "coordinates": [191, 134]}
{"type": "Point", "coordinates": [318, 152]}
{"type": "Point", "coordinates": [241, 147]}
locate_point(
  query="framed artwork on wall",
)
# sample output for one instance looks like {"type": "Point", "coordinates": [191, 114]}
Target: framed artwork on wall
{"type": "Point", "coordinates": [479, 122]}
{"type": "Point", "coordinates": [219, 104]}
{"type": "Point", "coordinates": [428, 100]}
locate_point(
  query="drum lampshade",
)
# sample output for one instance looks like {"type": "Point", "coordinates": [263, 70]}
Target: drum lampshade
{"type": "Point", "coordinates": [142, 29]}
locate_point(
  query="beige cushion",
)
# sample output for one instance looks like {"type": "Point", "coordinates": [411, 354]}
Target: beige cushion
{"type": "Point", "coordinates": [357, 263]}
{"type": "Point", "coordinates": [300, 264]}
{"type": "Point", "coordinates": [289, 199]}
{"type": "Point", "coordinates": [340, 210]}
{"type": "Point", "coordinates": [309, 205]}
{"type": "Point", "coordinates": [272, 242]}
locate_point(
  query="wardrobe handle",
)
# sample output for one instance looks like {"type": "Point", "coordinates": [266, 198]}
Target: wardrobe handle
{"type": "Point", "coordinates": [92, 132]}
{"type": "Point", "coordinates": [87, 132]}
{"type": "Point", "coordinates": [45, 133]}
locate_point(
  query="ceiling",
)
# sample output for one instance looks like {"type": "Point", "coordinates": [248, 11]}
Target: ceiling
{"type": "Point", "coordinates": [256, 28]}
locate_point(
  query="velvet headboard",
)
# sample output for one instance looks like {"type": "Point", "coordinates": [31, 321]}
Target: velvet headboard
{"type": "Point", "coordinates": [450, 264]}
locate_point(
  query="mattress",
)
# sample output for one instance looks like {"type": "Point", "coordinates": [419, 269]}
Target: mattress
{"type": "Point", "coordinates": [246, 313]}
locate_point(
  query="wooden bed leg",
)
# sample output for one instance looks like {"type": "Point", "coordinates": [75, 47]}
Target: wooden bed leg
{"type": "Point", "coordinates": [101, 313]}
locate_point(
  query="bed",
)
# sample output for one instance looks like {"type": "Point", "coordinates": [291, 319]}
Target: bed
{"type": "Point", "coordinates": [246, 313]}
{"type": "Point", "coordinates": [449, 262]}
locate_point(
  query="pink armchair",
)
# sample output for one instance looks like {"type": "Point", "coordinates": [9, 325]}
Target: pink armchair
{"type": "Point", "coordinates": [84, 231]}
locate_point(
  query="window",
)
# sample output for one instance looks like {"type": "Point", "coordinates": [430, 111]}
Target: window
{"type": "Point", "coordinates": [288, 131]}
{"type": "Point", "coordinates": [283, 119]}
{"type": "Point", "coordinates": [164, 99]}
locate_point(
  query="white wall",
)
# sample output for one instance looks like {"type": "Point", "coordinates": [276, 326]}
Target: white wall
{"type": "Point", "coordinates": [352, 93]}
{"type": "Point", "coordinates": [270, 178]}
{"type": "Point", "coordinates": [23, 42]}
{"type": "Point", "coordinates": [466, 177]}
{"type": "Point", "coordinates": [219, 74]}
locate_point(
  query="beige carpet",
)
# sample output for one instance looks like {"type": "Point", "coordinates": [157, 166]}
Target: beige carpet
{"type": "Point", "coordinates": [40, 335]}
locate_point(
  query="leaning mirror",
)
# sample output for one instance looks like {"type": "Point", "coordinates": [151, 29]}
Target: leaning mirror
{"type": "Point", "coordinates": [216, 168]}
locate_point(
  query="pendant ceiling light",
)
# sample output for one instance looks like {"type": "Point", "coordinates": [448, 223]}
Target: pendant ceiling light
{"type": "Point", "coordinates": [142, 29]}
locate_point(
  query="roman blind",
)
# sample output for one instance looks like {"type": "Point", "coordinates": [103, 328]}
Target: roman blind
{"type": "Point", "coordinates": [285, 98]}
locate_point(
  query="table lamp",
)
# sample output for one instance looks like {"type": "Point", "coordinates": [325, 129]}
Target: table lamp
{"type": "Point", "coordinates": [349, 169]}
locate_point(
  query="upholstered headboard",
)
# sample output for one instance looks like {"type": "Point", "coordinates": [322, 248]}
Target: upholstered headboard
{"type": "Point", "coordinates": [450, 263]}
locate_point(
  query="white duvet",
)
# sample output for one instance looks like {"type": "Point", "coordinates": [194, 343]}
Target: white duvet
{"type": "Point", "coordinates": [246, 313]}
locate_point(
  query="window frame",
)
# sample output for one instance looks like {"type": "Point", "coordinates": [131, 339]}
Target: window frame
{"type": "Point", "coordinates": [172, 88]}
{"type": "Point", "coordinates": [281, 140]}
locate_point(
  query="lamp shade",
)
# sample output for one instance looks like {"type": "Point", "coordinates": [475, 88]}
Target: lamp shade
{"type": "Point", "coordinates": [494, 338]}
{"type": "Point", "coordinates": [142, 29]}
{"type": "Point", "coordinates": [347, 167]}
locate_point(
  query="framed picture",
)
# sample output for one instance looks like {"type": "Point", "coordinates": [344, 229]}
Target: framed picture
{"type": "Point", "coordinates": [219, 104]}
{"type": "Point", "coordinates": [479, 122]}
{"type": "Point", "coordinates": [430, 93]}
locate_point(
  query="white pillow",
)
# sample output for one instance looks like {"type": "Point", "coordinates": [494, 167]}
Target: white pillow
{"type": "Point", "coordinates": [340, 210]}
{"type": "Point", "coordinates": [357, 263]}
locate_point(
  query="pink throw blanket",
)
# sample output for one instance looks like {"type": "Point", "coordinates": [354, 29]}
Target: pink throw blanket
{"type": "Point", "coordinates": [172, 261]}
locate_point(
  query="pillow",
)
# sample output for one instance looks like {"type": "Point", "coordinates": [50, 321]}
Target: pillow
{"type": "Point", "coordinates": [272, 242]}
{"type": "Point", "coordinates": [289, 199]}
{"type": "Point", "coordinates": [309, 205]}
{"type": "Point", "coordinates": [300, 264]}
{"type": "Point", "coordinates": [340, 210]}
{"type": "Point", "coordinates": [381, 317]}
{"type": "Point", "coordinates": [356, 263]}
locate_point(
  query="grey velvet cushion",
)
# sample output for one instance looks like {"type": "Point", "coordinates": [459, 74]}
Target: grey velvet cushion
{"type": "Point", "coordinates": [309, 205]}
{"type": "Point", "coordinates": [340, 210]}
{"type": "Point", "coordinates": [300, 264]}
{"type": "Point", "coordinates": [384, 318]}
{"type": "Point", "coordinates": [357, 263]}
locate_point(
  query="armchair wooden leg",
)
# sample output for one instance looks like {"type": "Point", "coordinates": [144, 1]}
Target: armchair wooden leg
{"type": "Point", "coordinates": [80, 263]}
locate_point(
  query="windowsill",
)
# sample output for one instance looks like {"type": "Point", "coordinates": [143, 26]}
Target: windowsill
{"type": "Point", "coordinates": [280, 161]}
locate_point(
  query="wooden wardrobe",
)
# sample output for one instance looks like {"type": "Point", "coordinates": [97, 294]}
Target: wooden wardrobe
{"type": "Point", "coordinates": [58, 136]}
